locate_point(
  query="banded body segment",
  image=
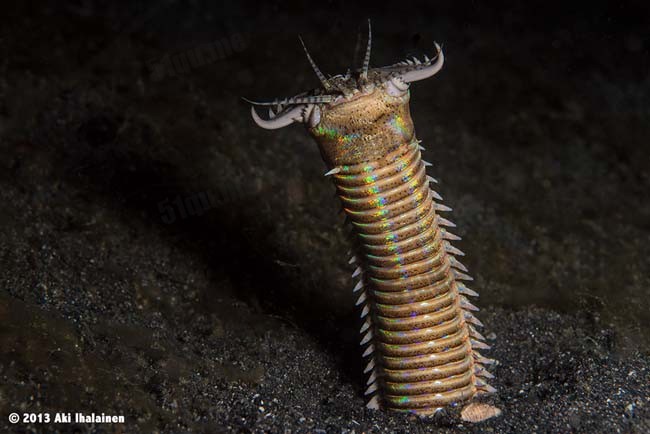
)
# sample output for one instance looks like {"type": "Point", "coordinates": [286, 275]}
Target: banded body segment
{"type": "Point", "coordinates": [416, 331]}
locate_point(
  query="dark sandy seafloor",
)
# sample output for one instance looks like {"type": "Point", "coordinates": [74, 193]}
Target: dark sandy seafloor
{"type": "Point", "coordinates": [235, 314]}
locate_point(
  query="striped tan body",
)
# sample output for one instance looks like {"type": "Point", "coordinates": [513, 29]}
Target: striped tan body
{"type": "Point", "coordinates": [416, 331]}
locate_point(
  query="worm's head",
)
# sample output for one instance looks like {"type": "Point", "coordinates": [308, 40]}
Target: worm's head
{"type": "Point", "coordinates": [356, 117]}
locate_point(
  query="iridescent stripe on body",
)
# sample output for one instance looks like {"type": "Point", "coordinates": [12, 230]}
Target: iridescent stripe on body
{"type": "Point", "coordinates": [421, 340]}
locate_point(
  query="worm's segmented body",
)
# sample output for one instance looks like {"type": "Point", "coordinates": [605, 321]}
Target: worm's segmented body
{"type": "Point", "coordinates": [418, 332]}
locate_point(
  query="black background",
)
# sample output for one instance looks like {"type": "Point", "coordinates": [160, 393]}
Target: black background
{"type": "Point", "coordinates": [234, 313]}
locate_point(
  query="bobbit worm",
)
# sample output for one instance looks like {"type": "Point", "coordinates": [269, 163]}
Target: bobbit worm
{"type": "Point", "coordinates": [419, 334]}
